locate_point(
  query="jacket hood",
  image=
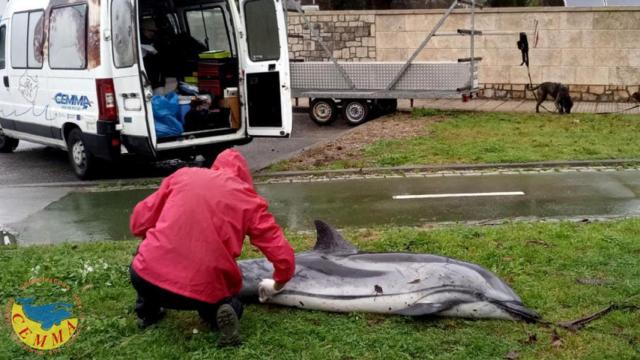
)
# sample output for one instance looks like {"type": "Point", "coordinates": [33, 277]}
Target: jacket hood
{"type": "Point", "coordinates": [232, 162]}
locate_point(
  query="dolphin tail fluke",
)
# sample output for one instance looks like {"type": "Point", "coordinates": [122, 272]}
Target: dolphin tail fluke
{"type": "Point", "coordinates": [519, 311]}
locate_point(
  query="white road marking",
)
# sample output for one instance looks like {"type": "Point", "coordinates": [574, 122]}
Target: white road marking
{"type": "Point", "coordinates": [440, 196]}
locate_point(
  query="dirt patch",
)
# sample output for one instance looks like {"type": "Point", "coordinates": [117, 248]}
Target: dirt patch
{"type": "Point", "coordinates": [347, 150]}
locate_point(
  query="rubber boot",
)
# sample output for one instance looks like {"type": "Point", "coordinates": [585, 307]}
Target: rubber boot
{"type": "Point", "coordinates": [229, 326]}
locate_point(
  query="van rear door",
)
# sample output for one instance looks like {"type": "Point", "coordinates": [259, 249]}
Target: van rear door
{"type": "Point", "coordinates": [265, 60]}
{"type": "Point", "coordinates": [133, 96]}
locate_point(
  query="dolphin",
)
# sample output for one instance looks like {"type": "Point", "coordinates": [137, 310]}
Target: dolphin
{"type": "Point", "coordinates": [336, 277]}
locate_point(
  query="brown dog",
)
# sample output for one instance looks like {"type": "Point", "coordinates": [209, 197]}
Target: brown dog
{"type": "Point", "coordinates": [558, 92]}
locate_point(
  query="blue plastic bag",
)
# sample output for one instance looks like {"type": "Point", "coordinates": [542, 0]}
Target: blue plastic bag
{"type": "Point", "coordinates": [165, 113]}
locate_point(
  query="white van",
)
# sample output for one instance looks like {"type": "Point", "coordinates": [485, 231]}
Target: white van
{"type": "Point", "coordinates": [81, 75]}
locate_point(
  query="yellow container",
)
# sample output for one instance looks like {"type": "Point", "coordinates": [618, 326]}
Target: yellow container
{"type": "Point", "coordinates": [215, 54]}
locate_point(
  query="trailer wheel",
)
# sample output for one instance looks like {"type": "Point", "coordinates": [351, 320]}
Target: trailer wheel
{"type": "Point", "coordinates": [388, 106]}
{"type": "Point", "coordinates": [82, 161]}
{"type": "Point", "coordinates": [323, 111]}
{"type": "Point", "coordinates": [8, 144]}
{"type": "Point", "coordinates": [355, 112]}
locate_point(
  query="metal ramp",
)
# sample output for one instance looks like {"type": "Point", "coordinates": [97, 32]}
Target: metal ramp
{"type": "Point", "coordinates": [370, 80]}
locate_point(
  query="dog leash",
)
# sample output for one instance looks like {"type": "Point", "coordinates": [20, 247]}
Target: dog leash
{"type": "Point", "coordinates": [523, 45]}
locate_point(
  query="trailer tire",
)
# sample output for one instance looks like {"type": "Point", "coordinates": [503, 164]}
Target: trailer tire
{"type": "Point", "coordinates": [82, 161]}
{"type": "Point", "coordinates": [323, 111]}
{"type": "Point", "coordinates": [355, 112]}
{"type": "Point", "coordinates": [388, 106]}
{"type": "Point", "coordinates": [7, 144]}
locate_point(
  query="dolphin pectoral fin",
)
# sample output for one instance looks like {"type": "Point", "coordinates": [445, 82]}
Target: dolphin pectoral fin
{"type": "Point", "coordinates": [421, 309]}
{"type": "Point", "coordinates": [518, 311]}
{"type": "Point", "coordinates": [330, 241]}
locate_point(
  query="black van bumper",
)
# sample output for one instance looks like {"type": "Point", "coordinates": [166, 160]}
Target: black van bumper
{"type": "Point", "coordinates": [140, 145]}
{"type": "Point", "coordinates": [105, 144]}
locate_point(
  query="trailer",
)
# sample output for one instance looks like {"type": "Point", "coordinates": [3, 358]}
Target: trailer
{"type": "Point", "coordinates": [359, 90]}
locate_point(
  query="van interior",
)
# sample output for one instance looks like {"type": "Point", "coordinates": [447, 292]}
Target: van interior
{"type": "Point", "coordinates": [189, 49]}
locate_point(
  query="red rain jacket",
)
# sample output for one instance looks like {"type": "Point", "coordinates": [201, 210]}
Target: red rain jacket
{"type": "Point", "coordinates": [194, 226]}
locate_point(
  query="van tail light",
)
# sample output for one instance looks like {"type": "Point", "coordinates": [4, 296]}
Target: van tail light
{"type": "Point", "coordinates": [107, 100]}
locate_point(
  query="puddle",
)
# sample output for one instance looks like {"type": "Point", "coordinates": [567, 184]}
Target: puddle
{"type": "Point", "coordinates": [96, 216]}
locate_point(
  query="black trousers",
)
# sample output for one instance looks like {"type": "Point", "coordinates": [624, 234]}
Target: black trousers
{"type": "Point", "coordinates": [152, 298]}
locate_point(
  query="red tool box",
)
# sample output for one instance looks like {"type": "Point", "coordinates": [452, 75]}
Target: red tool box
{"type": "Point", "coordinates": [214, 76]}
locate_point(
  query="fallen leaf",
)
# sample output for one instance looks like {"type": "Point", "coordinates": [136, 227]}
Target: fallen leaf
{"type": "Point", "coordinates": [532, 339]}
{"type": "Point", "coordinates": [556, 341]}
{"type": "Point", "coordinates": [537, 242]}
{"type": "Point", "coordinates": [591, 281]}
{"type": "Point", "coordinates": [512, 355]}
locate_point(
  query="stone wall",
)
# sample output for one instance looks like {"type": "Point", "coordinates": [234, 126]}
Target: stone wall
{"type": "Point", "coordinates": [349, 37]}
{"type": "Point", "coordinates": [594, 50]}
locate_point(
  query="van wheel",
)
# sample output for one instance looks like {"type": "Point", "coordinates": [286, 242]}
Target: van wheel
{"type": "Point", "coordinates": [323, 111]}
{"type": "Point", "coordinates": [355, 112]}
{"type": "Point", "coordinates": [211, 154]}
{"type": "Point", "coordinates": [81, 159]}
{"type": "Point", "coordinates": [8, 144]}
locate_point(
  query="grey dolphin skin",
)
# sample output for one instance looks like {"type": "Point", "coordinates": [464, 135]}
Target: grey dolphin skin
{"type": "Point", "coordinates": [336, 277]}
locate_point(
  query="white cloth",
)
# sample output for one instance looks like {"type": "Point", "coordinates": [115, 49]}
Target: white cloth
{"type": "Point", "coordinates": [148, 49]}
{"type": "Point", "coordinates": [267, 290]}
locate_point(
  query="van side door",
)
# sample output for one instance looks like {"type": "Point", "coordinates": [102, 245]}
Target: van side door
{"type": "Point", "coordinates": [4, 87]}
{"type": "Point", "coordinates": [264, 57]}
{"type": "Point", "coordinates": [132, 91]}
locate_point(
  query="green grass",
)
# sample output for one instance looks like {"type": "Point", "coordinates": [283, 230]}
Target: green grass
{"type": "Point", "coordinates": [480, 137]}
{"type": "Point", "coordinates": [540, 261]}
{"type": "Point", "coordinates": [472, 138]}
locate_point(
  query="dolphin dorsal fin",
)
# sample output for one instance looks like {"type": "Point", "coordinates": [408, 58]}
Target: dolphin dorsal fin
{"type": "Point", "coordinates": [330, 241]}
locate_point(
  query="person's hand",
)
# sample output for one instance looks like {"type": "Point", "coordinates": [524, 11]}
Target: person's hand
{"type": "Point", "coordinates": [267, 289]}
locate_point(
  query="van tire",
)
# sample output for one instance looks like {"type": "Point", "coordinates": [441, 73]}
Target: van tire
{"type": "Point", "coordinates": [7, 144]}
{"type": "Point", "coordinates": [82, 161]}
{"type": "Point", "coordinates": [211, 155]}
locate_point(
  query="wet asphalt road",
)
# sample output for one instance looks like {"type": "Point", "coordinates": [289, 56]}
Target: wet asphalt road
{"type": "Point", "coordinates": [37, 164]}
{"type": "Point", "coordinates": [80, 216]}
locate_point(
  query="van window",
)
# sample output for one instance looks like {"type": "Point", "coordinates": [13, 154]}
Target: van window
{"type": "Point", "coordinates": [19, 25]}
{"type": "Point", "coordinates": [68, 37]}
{"type": "Point", "coordinates": [262, 30]}
{"type": "Point", "coordinates": [27, 37]}
{"type": "Point", "coordinates": [123, 33]}
{"type": "Point", "coordinates": [3, 35]}
{"type": "Point", "coordinates": [208, 26]}
{"type": "Point", "coordinates": [35, 41]}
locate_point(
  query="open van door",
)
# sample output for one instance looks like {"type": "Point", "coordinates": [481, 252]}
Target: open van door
{"type": "Point", "coordinates": [265, 59]}
{"type": "Point", "coordinates": [131, 88]}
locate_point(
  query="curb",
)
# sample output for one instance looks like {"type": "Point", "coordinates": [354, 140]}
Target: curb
{"type": "Point", "coordinates": [91, 184]}
{"type": "Point", "coordinates": [455, 167]}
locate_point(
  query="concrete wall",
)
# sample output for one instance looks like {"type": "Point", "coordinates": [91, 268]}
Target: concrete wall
{"type": "Point", "coordinates": [594, 50]}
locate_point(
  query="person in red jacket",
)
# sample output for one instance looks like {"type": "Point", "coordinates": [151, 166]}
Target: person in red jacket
{"type": "Point", "coordinates": [193, 228]}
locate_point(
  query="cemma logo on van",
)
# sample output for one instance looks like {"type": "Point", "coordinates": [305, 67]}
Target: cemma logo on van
{"type": "Point", "coordinates": [44, 316]}
{"type": "Point", "coordinates": [73, 101]}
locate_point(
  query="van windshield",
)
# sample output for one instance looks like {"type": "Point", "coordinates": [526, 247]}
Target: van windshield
{"type": "Point", "coordinates": [262, 30]}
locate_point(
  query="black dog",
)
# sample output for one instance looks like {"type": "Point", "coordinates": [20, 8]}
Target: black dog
{"type": "Point", "coordinates": [558, 92]}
